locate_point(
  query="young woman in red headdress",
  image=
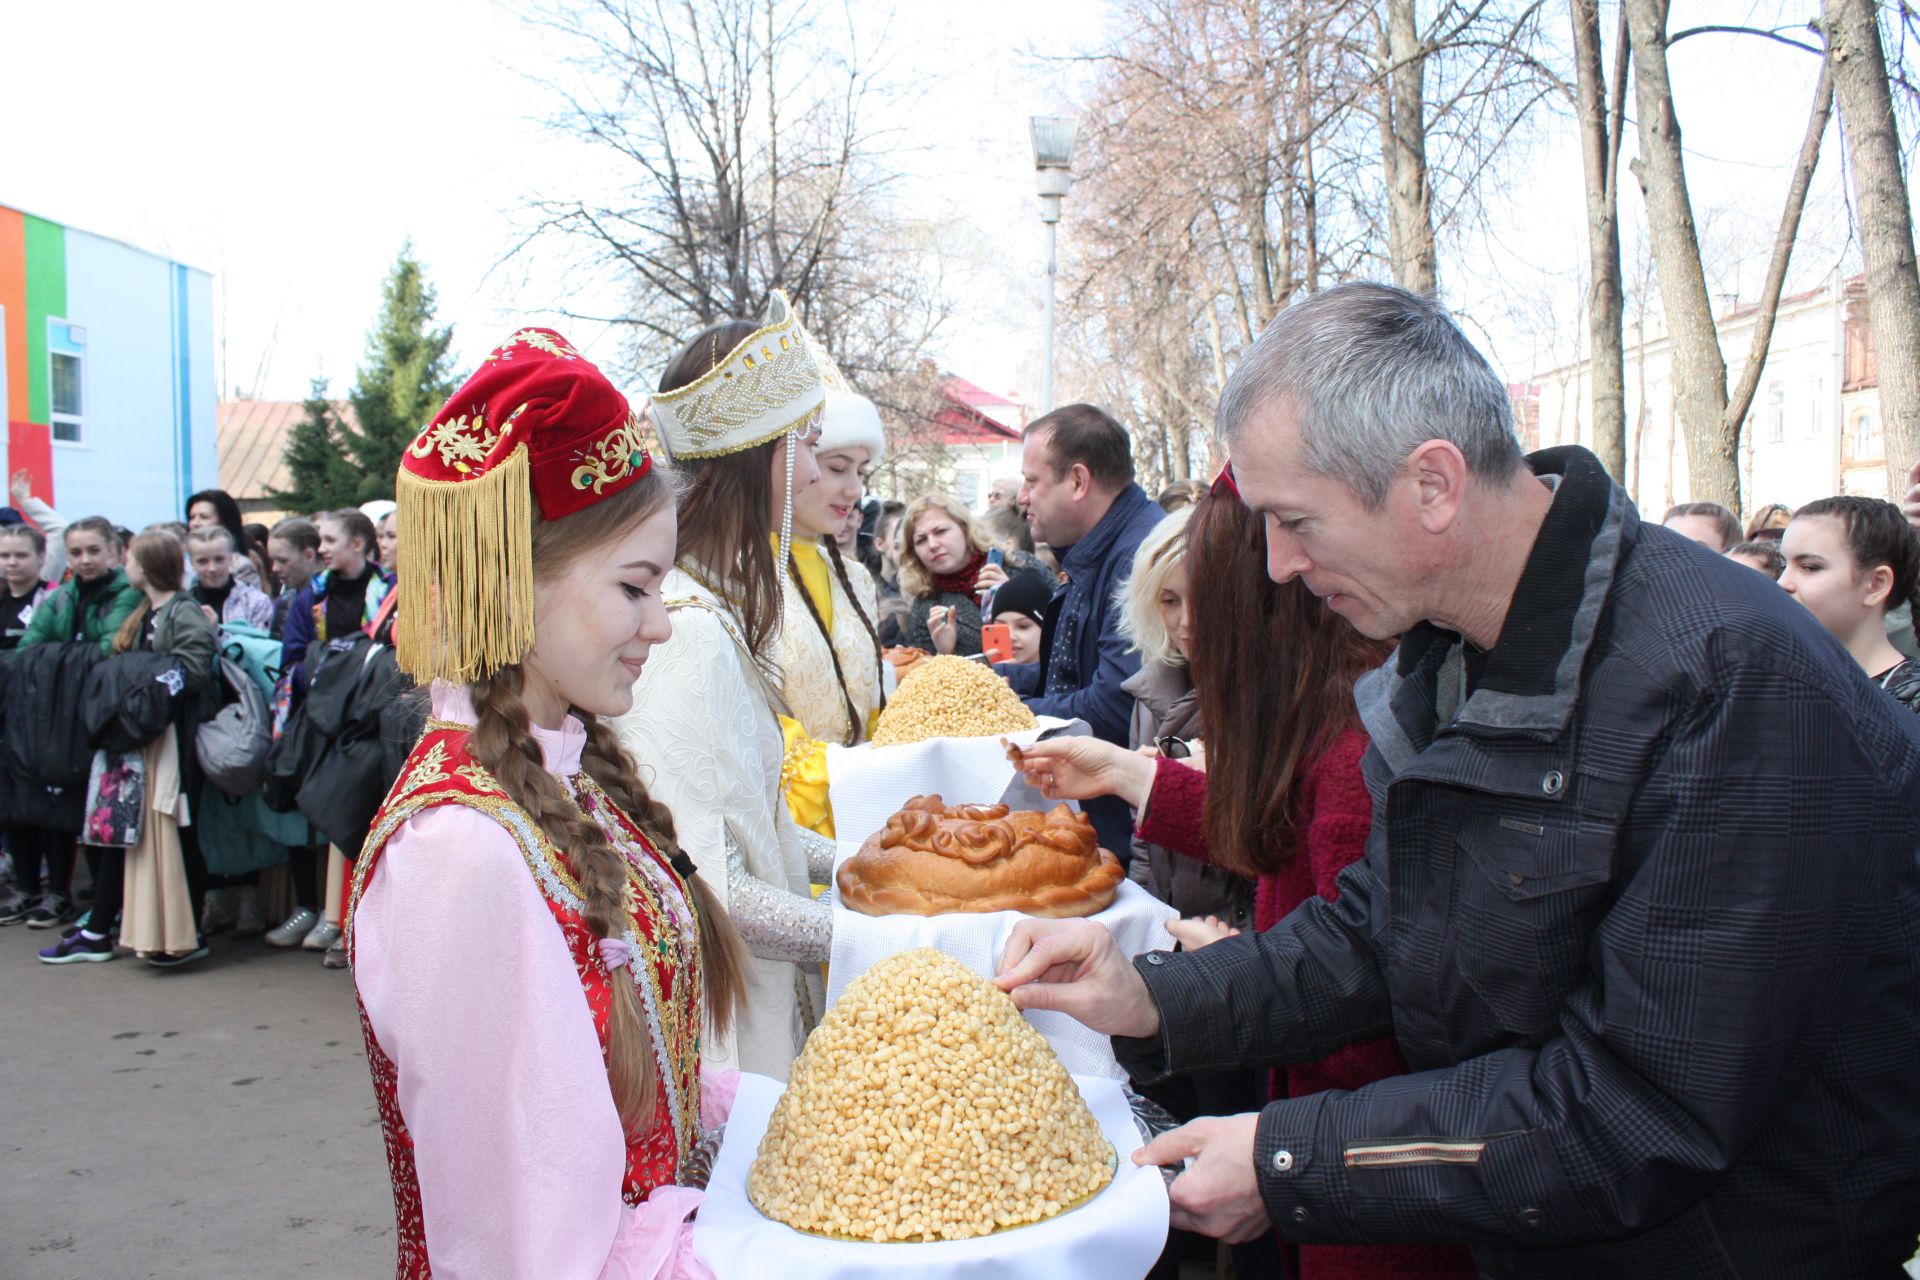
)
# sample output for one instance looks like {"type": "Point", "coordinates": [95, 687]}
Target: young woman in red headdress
{"type": "Point", "coordinates": [533, 955]}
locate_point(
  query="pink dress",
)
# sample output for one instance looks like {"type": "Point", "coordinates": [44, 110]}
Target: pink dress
{"type": "Point", "coordinates": [479, 1009]}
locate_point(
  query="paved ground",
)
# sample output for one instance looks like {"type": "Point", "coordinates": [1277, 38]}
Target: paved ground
{"type": "Point", "coordinates": [211, 1122]}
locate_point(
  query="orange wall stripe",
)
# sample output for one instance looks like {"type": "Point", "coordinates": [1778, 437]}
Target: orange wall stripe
{"type": "Point", "coordinates": [13, 296]}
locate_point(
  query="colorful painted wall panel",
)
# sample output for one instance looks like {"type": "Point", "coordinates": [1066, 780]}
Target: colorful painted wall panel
{"type": "Point", "coordinates": [109, 388]}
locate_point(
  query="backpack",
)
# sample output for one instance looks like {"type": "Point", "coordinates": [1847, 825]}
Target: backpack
{"type": "Point", "coordinates": [233, 745]}
{"type": "Point", "coordinates": [344, 791]}
{"type": "Point", "coordinates": [254, 651]}
{"type": "Point", "coordinates": [46, 744]}
{"type": "Point", "coordinates": [131, 699]}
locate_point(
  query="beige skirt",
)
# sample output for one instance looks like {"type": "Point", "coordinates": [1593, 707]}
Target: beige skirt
{"type": "Point", "coordinates": [159, 915]}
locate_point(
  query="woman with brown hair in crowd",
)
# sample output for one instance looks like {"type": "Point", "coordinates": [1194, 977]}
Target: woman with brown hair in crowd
{"type": "Point", "coordinates": [943, 571]}
{"type": "Point", "coordinates": [1281, 799]}
{"type": "Point", "coordinates": [157, 885]}
{"type": "Point", "coordinates": [535, 958]}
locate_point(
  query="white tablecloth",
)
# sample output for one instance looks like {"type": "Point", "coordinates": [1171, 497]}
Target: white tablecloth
{"type": "Point", "coordinates": [1136, 919]}
{"type": "Point", "coordinates": [1115, 1236]}
{"type": "Point", "coordinates": [869, 784]}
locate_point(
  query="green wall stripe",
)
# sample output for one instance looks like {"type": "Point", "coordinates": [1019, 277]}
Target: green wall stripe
{"type": "Point", "coordinates": [46, 296]}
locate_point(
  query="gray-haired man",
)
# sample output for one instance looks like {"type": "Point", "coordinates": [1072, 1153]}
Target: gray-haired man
{"type": "Point", "coordinates": [1641, 903]}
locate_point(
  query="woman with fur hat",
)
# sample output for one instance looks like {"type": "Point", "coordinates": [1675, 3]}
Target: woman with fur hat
{"type": "Point", "coordinates": [828, 654]}
{"type": "Point", "coordinates": [535, 958]}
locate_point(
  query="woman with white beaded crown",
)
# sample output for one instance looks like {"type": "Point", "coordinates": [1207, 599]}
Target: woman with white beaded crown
{"type": "Point", "coordinates": [541, 1091]}
{"type": "Point", "coordinates": [738, 413]}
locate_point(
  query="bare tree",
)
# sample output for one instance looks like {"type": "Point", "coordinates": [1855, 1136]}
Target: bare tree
{"type": "Point", "coordinates": [1710, 419]}
{"type": "Point", "coordinates": [1403, 149]}
{"type": "Point", "coordinates": [1857, 61]}
{"type": "Point", "coordinates": [1601, 113]}
{"type": "Point", "coordinates": [741, 160]}
{"type": "Point", "coordinates": [1236, 154]}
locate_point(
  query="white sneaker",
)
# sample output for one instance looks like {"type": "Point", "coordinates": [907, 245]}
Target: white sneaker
{"type": "Point", "coordinates": [293, 928]}
{"type": "Point", "coordinates": [249, 918]}
{"type": "Point", "coordinates": [321, 937]}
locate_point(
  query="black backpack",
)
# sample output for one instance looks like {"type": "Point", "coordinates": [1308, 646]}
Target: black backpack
{"type": "Point", "coordinates": [131, 699]}
{"type": "Point", "coordinates": [46, 743]}
{"type": "Point", "coordinates": [343, 792]}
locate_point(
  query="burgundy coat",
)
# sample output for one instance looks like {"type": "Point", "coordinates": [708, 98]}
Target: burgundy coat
{"type": "Point", "coordinates": [1333, 818]}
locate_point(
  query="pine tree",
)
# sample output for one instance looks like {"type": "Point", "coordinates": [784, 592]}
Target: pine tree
{"type": "Point", "coordinates": [403, 381]}
{"type": "Point", "coordinates": [322, 478]}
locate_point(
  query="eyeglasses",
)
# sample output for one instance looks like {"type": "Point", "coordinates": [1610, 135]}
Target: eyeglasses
{"type": "Point", "coordinates": [1173, 748]}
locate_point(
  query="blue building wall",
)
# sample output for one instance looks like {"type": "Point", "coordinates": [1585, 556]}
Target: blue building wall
{"type": "Point", "coordinates": [148, 436]}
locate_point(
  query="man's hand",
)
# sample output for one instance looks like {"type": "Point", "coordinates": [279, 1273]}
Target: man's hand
{"type": "Point", "coordinates": [1076, 967]}
{"type": "Point", "coordinates": [1911, 507]}
{"type": "Point", "coordinates": [21, 486]}
{"type": "Point", "coordinates": [1218, 1194]}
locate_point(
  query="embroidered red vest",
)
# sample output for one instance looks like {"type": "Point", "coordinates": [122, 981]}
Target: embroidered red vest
{"type": "Point", "coordinates": [664, 969]}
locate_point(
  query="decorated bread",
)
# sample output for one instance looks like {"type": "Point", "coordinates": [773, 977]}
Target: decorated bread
{"type": "Point", "coordinates": [931, 859]}
{"type": "Point", "coordinates": [924, 1107]}
{"type": "Point", "coordinates": [950, 697]}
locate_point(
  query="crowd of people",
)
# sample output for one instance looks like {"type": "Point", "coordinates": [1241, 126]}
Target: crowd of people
{"type": "Point", "coordinates": [1546, 882]}
{"type": "Point", "coordinates": [171, 807]}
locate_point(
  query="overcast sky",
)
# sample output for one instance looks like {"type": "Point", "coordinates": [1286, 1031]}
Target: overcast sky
{"type": "Point", "coordinates": [291, 149]}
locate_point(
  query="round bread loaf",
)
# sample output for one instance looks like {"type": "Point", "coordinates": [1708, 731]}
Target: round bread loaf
{"type": "Point", "coordinates": [931, 859]}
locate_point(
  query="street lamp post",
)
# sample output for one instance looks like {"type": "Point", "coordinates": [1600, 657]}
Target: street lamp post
{"type": "Point", "coordinates": [1053, 167]}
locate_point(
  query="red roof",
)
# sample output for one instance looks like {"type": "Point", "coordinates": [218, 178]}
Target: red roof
{"type": "Point", "coordinates": [973, 415]}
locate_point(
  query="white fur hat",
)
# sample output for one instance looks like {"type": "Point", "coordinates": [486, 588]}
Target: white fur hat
{"type": "Point", "coordinates": [851, 421]}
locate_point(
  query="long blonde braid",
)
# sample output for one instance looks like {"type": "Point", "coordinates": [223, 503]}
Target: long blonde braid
{"type": "Point", "coordinates": [723, 953]}
{"type": "Point", "coordinates": [503, 743]}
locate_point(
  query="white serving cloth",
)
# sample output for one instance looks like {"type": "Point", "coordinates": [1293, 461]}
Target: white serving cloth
{"type": "Point", "coordinates": [1117, 1235]}
{"type": "Point", "coordinates": [1136, 919]}
{"type": "Point", "coordinates": [869, 784]}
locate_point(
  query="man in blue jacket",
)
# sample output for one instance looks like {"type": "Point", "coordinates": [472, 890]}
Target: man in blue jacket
{"type": "Point", "coordinates": [1077, 487]}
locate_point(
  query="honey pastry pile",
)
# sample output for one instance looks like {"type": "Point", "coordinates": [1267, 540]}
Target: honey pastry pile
{"type": "Point", "coordinates": [950, 697]}
{"type": "Point", "coordinates": [924, 1107]}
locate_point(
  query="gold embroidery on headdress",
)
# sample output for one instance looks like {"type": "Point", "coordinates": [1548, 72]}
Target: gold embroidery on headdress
{"type": "Point", "coordinates": [611, 458]}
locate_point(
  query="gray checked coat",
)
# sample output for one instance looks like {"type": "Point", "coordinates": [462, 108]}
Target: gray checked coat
{"type": "Point", "coordinates": [1644, 916]}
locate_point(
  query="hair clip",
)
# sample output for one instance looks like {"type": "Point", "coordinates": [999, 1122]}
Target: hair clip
{"type": "Point", "coordinates": [1225, 483]}
{"type": "Point", "coordinates": [683, 866]}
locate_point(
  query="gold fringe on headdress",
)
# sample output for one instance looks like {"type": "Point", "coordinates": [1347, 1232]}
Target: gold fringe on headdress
{"type": "Point", "coordinates": [466, 572]}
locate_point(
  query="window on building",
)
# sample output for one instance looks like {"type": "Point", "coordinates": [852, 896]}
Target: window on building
{"type": "Point", "coordinates": [1862, 434]}
{"type": "Point", "coordinates": [1816, 401]}
{"type": "Point", "coordinates": [67, 383]}
{"type": "Point", "coordinates": [1776, 413]}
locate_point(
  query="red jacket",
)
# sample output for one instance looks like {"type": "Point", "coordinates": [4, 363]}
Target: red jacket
{"type": "Point", "coordinates": [1332, 819]}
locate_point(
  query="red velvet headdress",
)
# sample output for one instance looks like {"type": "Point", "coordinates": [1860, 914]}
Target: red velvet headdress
{"type": "Point", "coordinates": [536, 423]}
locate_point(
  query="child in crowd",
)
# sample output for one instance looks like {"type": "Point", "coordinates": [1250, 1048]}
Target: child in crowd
{"type": "Point", "coordinates": [158, 884]}
{"type": "Point", "coordinates": [23, 557]}
{"type": "Point", "coordinates": [293, 548]}
{"type": "Point", "coordinates": [90, 607]}
{"type": "Point", "coordinates": [216, 508]}
{"type": "Point", "coordinates": [1020, 606]}
{"type": "Point", "coordinates": [343, 598]}
{"type": "Point", "coordinates": [1851, 560]}
{"type": "Point", "coordinates": [1760, 554]}
{"type": "Point", "coordinates": [226, 599]}
{"type": "Point", "coordinates": [1707, 523]}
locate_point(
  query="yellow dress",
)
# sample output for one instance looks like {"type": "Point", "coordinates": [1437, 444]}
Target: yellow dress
{"type": "Point", "coordinates": [812, 694]}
